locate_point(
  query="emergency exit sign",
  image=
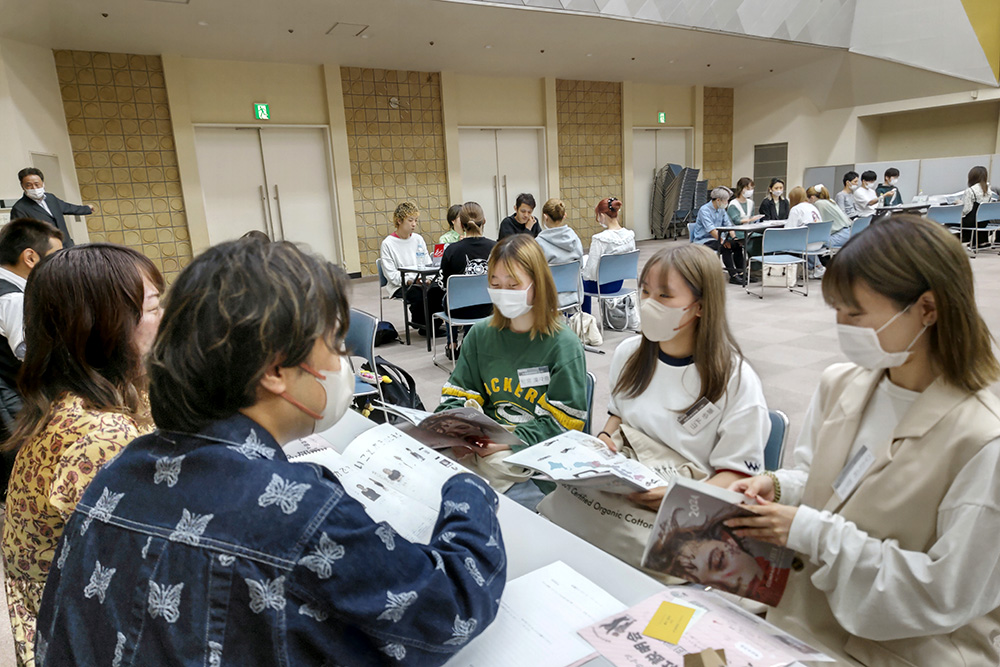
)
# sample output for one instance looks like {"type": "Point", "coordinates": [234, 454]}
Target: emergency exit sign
{"type": "Point", "coordinates": [661, 117]}
{"type": "Point", "coordinates": [263, 111]}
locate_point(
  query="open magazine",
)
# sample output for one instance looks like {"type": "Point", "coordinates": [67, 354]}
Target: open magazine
{"type": "Point", "coordinates": [689, 540]}
{"type": "Point", "coordinates": [459, 427]}
{"type": "Point", "coordinates": [577, 459]}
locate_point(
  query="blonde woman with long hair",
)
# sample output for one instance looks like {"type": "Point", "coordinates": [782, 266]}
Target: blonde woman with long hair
{"type": "Point", "coordinates": [523, 368]}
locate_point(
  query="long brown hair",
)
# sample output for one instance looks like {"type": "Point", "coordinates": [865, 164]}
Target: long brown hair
{"type": "Point", "coordinates": [904, 257]}
{"type": "Point", "coordinates": [979, 175]}
{"type": "Point", "coordinates": [521, 250]}
{"type": "Point", "coordinates": [715, 350]}
{"type": "Point", "coordinates": [82, 307]}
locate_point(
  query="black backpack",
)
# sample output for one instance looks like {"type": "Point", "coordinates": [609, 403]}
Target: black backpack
{"type": "Point", "coordinates": [385, 333]}
{"type": "Point", "coordinates": [398, 388]}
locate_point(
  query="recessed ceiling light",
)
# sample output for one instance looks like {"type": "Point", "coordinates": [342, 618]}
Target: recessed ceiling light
{"type": "Point", "coordinates": [202, 22]}
{"type": "Point", "coordinates": [365, 36]}
{"type": "Point", "coordinates": [589, 54]}
{"type": "Point", "coordinates": [740, 67]}
{"type": "Point", "coordinates": [672, 62]}
{"type": "Point", "coordinates": [488, 46]}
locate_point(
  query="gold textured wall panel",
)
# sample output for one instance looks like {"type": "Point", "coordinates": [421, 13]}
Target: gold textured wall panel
{"type": "Point", "coordinates": [589, 116]}
{"type": "Point", "coordinates": [396, 140]}
{"type": "Point", "coordinates": [718, 138]}
{"type": "Point", "coordinates": [123, 148]}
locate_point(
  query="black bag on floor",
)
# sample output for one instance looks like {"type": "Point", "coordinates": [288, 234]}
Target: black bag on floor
{"type": "Point", "coordinates": [385, 333]}
{"type": "Point", "coordinates": [398, 388]}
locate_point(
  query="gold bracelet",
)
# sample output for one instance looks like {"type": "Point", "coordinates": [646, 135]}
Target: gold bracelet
{"type": "Point", "coordinates": [777, 484]}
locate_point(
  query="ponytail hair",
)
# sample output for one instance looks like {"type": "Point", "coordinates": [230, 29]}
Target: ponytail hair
{"type": "Point", "coordinates": [472, 218]}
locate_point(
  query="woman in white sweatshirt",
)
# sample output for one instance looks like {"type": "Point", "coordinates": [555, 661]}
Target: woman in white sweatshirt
{"type": "Point", "coordinates": [614, 240]}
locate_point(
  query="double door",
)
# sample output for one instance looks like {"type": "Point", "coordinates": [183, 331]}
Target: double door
{"type": "Point", "coordinates": [652, 149]}
{"type": "Point", "coordinates": [497, 166]}
{"type": "Point", "coordinates": [274, 180]}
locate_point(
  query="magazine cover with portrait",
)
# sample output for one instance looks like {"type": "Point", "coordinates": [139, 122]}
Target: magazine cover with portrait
{"type": "Point", "coordinates": [690, 541]}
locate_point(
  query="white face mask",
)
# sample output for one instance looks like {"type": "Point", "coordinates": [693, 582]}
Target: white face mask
{"type": "Point", "coordinates": [853, 186]}
{"type": "Point", "coordinates": [35, 193]}
{"type": "Point", "coordinates": [511, 303]}
{"type": "Point", "coordinates": [748, 194]}
{"type": "Point", "coordinates": [339, 389]}
{"type": "Point", "coordinates": [777, 193]}
{"type": "Point", "coordinates": [893, 181]}
{"type": "Point", "coordinates": [660, 323]}
{"type": "Point", "coordinates": [862, 346]}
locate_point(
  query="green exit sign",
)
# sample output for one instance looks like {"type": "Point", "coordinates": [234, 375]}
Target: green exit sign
{"type": "Point", "coordinates": [662, 117]}
{"type": "Point", "coordinates": [263, 111]}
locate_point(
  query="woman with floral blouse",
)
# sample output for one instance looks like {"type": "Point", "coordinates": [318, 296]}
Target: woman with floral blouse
{"type": "Point", "coordinates": [90, 314]}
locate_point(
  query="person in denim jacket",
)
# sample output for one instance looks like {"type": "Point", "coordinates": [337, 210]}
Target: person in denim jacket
{"type": "Point", "coordinates": [200, 544]}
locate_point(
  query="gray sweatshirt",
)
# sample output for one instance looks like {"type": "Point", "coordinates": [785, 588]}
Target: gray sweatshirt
{"type": "Point", "coordinates": [560, 245]}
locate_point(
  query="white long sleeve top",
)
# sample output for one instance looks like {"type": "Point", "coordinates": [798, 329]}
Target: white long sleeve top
{"type": "Point", "coordinates": [396, 252]}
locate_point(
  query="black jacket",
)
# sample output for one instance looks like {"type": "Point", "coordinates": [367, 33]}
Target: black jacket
{"type": "Point", "coordinates": [510, 226]}
{"type": "Point", "coordinates": [26, 207]}
{"type": "Point", "coordinates": [767, 209]}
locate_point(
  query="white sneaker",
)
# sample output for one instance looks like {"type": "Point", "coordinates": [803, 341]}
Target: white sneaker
{"type": "Point", "coordinates": [818, 272]}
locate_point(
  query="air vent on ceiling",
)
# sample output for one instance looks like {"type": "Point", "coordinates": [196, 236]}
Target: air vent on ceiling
{"type": "Point", "coordinates": [347, 29]}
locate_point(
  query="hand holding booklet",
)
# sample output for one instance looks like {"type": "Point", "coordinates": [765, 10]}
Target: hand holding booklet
{"type": "Point", "coordinates": [577, 459]}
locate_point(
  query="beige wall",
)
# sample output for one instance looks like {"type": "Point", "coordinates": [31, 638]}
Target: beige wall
{"type": "Point", "coordinates": [648, 100]}
{"type": "Point", "coordinates": [498, 101]}
{"type": "Point", "coordinates": [970, 129]}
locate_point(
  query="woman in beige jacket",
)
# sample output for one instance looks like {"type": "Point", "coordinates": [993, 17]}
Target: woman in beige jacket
{"type": "Point", "coordinates": [893, 493]}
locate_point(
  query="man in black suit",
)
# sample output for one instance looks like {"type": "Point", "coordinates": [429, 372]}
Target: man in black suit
{"type": "Point", "coordinates": [37, 204]}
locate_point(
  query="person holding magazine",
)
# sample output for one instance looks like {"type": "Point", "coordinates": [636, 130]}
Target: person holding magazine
{"type": "Point", "coordinates": [202, 544]}
{"type": "Point", "coordinates": [893, 491]}
{"type": "Point", "coordinates": [522, 368]}
{"type": "Point", "coordinates": [684, 401]}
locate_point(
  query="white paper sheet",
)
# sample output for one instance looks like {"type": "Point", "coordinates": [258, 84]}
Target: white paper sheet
{"type": "Point", "coordinates": [540, 614]}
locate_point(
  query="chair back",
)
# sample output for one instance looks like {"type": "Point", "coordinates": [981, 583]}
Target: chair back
{"type": "Point", "coordinates": [779, 239]}
{"type": "Point", "coordinates": [466, 291]}
{"type": "Point", "coordinates": [360, 339]}
{"type": "Point", "coordinates": [776, 441]}
{"type": "Point", "coordinates": [591, 381]}
{"type": "Point", "coordinates": [690, 227]}
{"type": "Point", "coordinates": [382, 280]}
{"type": "Point", "coordinates": [618, 267]}
{"type": "Point", "coordinates": [819, 235]}
{"type": "Point", "coordinates": [946, 215]}
{"type": "Point", "coordinates": [566, 276]}
{"type": "Point", "coordinates": [988, 212]}
{"type": "Point", "coordinates": [860, 225]}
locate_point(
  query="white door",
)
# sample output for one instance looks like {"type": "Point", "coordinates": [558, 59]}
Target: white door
{"type": "Point", "coordinates": [477, 154]}
{"type": "Point", "coordinates": [232, 182]}
{"type": "Point", "coordinates": [296, 163]}
{"type": "Point", "coordinates": [521, 165]}
{"type": "Point", "coordinates": [652, 149]}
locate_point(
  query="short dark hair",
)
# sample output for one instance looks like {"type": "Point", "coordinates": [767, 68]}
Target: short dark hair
{"type": "Point", "coordinates": [238, 309]}
{"type": "Point", "coordinates": [19, 235]}
{"type": "Point", "coordinates": [453, 212]}
{"type": "Point", "coordinates": [891, 172]}
{"type": "Point", "coordinates": [869, 176]}
{"type": "Point", "coordinates": [29, 171]}
{"type": "Point", "coordinates": [524, 198]}
{"type": "Point", "coordinates": [850, 176]}
{"type": "Point", "coordinates": [257, 235]}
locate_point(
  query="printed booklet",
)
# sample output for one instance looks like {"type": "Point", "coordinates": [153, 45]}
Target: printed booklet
{"type": "Point", "coordinates": [577, 459]}
{"type": "Point", "coordinates": [459, 427]}
{"type": "Point", "coordinates": [689, 540]}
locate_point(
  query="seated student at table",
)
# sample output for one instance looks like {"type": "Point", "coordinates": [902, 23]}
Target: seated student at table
{"type": "Point", "coordinates": [893, 491]}
{"type": "Point", "coordinates": [775, 206]}
{"type": "Point", "coordinates": [741, 211]}
{"type": "Point", "coordinates": [405, 248]}
{"type": "Point", "coordinates": [686, 352]}
{"type": "Point", "coordinates": [454, 232]}
{"type": "Point", "coordinates": [522, 221]}
{"type": "Point", "coordinates": [202, 544]}
{"type": "Point", "coordinates": [978, 192]}
{"type": "Point", "coordinates": [559, 242]}
{"type": "Point", "coordinates": [523, 368]}
{"type": "Point", "coordinates": [865, 197]}
{"type": "Point", "coordinates": [614, 239]}
{"type": "Point", "coordinates": [889, 188]}
{"type": "Point", "coordinates": [466, 258]}
{"type": "Point", "coordinates": [802, 212]}
{"type": "Point", "coordinates": [91, 314]}
{"type": "Point", "coordinates": [704, 232]}
{"type": "Point", "coordinates": [845, 198]}
{"type": "Point", "coordinates": [819, 197]}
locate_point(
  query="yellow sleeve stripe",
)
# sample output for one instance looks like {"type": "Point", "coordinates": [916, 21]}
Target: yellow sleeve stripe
{"type": "Point", "coordinates": [567, 421]}
{"type": "Point", "coordinates": [451, 390]}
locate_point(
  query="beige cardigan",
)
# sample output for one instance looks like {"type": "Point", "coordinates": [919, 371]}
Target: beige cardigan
{"type": "Point", "coordinates": [897, 499]}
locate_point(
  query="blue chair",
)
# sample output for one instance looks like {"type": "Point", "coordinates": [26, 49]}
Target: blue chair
{"type": "Point", "coordinates": [990, 214]}
{"type": "Point", "coordinates": [463, 291]}
{"type": "Point", "coordinates": [776, 441]}
{"type": "Point", "coordinates": [946, 215]}
{"type": "Point", "coordinates": [611, 269]}
{"type": "Point", "coordinates": [783, 247]}
{"type": "Point", "coordinates": [860, 225]}
{"type": "Point", "coordinates": [360, 342]}
{"type": "Point", "coordinates": [818, 242]}
{"type": "Point", "coordinates": [567, 279]}
{"type": "Point", "coordinates": [382, 282]}
{"type": "Point", "coordinates": [591, 381]}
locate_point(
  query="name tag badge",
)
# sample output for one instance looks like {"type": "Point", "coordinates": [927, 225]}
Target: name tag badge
{"type": "Point", "coordinates": [533, 377]}
{"type": "Point", "coordinates": [700, 414]}
{"type": "Point", "coordinates": [853, 472]}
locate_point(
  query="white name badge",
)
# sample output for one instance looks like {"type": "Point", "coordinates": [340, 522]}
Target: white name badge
{"type": "Point", "coordinates": [852, 473]}
{"type": "Point", "coordinates": [533, 377]}
{"type": "Point", "coordinates": [698, 417]}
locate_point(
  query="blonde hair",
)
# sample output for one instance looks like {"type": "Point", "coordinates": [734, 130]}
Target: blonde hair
{"type": "Point", "coordinates": [523, 252]}
{"type": "Point", "coordinates": [403, 211]}
{"type": "Point", "coordinates": [818, 191]}
{"type": "Point", "coordinates": [796, 196]}
{"type": "Point", "coordinates": [555, 209]}
{"type": "Point", "coordinates": [901, 258]}
{"type": "Point", "coordinates": [715, 350]}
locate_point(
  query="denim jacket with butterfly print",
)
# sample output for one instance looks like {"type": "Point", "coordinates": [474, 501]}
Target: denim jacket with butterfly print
{"type": "Point", "coordinates": [213, 549]}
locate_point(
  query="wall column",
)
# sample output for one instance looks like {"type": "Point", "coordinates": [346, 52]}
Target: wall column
{"type": "Point", "coordinates": [339, 148]}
